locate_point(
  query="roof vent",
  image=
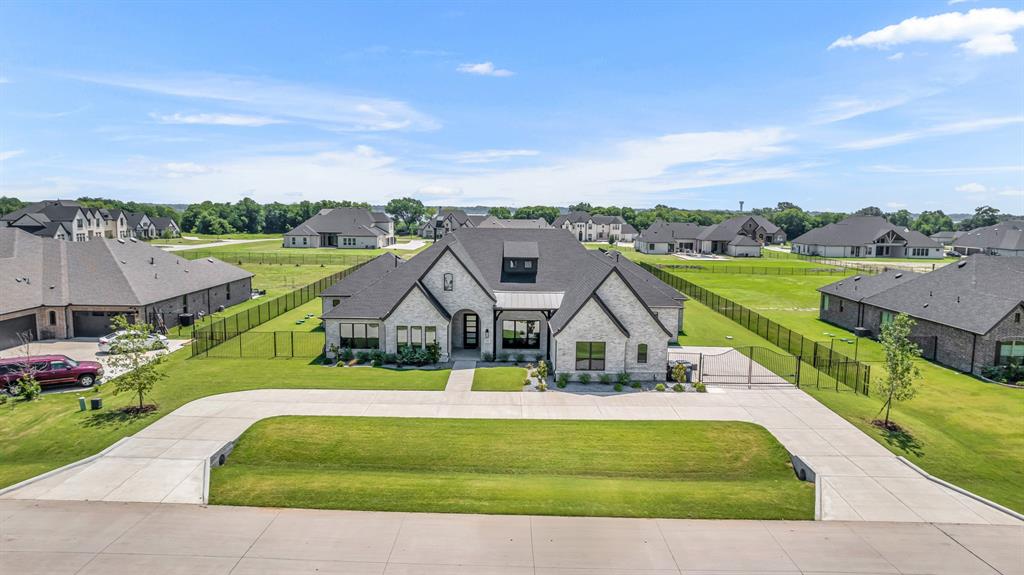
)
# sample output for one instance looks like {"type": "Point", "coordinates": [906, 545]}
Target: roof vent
{"type": "Point", "coordinates": [925, 305]}
{"type": "Point", "coordinates": [133, 240]}
{"type": "Point", "coordinates": [961, 263]}
{"type": "Point", "coordinates": [856, 278]}
{"type": "Point", "coordinates": [957, 299]}
{"type": "Point", "coordinates": [124, 262]}
{"type": "Point", "coordinates": [17, 280]}
{"type": "Point", "coordinates": [120, 240]}
{"type": "Point", "coordinates": [28, 281]}
{"type": "Point", "coordinates": [209, 260]}
{"type": "Point", "coordinates": [152, 260]}
{"type": "Point", "coordinates": [898, 276]}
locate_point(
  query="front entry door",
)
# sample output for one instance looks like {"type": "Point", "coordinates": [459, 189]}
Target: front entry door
{"type": "Point", "coordinates": [470, 331]}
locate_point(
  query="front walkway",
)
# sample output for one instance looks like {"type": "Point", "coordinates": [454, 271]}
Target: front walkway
{"type": "Point", "coordinates": [461, 377]}
{"type": "Point", "coordinates": [94, 538]}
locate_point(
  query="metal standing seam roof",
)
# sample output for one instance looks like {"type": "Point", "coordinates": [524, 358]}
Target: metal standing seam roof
{"type": "Point", "coordinates": [528, 300]}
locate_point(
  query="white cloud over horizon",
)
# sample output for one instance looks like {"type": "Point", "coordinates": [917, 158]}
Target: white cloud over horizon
{"type": "Point", "coordinates": [489, 156]}
{"type": "Point", "coordinates": [484, 69]}
{"type": "Point", "coordinates": [971, 188]}
{"type": "Point", "coordinates": [981, 31]}
{"type": "Point", "coordinates": [8, 154]}
{"type": "Point", "coordinates": [951, 128]}
{"type": "Point", "coordinates": [216, 119]}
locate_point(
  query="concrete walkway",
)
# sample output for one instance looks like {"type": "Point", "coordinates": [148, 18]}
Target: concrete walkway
{"type": "Point", "coordinates": [461, 378]}
{"type": "Point", "coordinates": [409, 245]}
{"type": "Point", "coordinates": [857, 479]}
{"type": "Point", "coordinates": [87, 538]}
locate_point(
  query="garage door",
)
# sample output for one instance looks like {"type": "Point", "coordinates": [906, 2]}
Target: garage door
{"type": "Point", "coordinates": [92, 323]}
{"type": "Point", "coordinates": [10, 328]}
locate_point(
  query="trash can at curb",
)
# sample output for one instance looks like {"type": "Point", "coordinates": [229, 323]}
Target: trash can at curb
{"type": "Point", "coordinates": [96, 403]}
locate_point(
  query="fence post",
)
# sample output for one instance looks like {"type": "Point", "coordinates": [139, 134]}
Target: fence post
{"type": "Point", "coordinates": [750, 368]}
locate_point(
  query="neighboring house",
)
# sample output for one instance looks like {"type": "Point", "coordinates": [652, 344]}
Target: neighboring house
{"type": "Point", "coordinates": [945, 238]}
{"type": "Point", "coordinates": [538, 292]}
{"type": "Point", "coordinates": [343, 228]}
{"type": "Point", "coordinates": [493, 222]}
{"type": "Point", "coordinates": [866, 237]}
{"type": "Point", "coordinates": [447, 220]}
{"type": "Point", "coordinates": [968, 314]}
{"type": "Point", "coordinates": [165, 227]}
{"type": "Point", "coordinates": [58, 219]}
{"type": "Point", "coordinates": [57, 289]}
{"type": "Point", "coordinates": [596, 228]}
{"type": "Point", "coordinates": [740, 236]}
{"type": "Point", "coordinates": [140, 226]}
{"type": "Point", "coordinates": [1003, 239]}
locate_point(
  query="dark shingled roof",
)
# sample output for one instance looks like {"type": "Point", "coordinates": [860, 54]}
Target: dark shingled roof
{"type": "Point", "coordinates": [856, 288]}
{"type": "Point", "coordinates": [493, 222]}
{"type": "Point", "coordinates": [354, 222]}
{"type": "Point", "coordinates": [663, 232]}
{"type": "Point", "coordinates": [1008, 235]}
{"type": "Point", "coordinates": [512, 249]}
{"type": "Point", "coordinates": [730, 228]}
{"type": "Point", "coordinates": [862, 230]}
{"type": "Point", "coordinates": [55, 210]}
{"type": "Point", "coordinates": [367, 274]}
{"type": "Point", "coordinates": [744, 241]}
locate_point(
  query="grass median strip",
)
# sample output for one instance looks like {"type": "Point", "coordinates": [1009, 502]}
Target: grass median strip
{"type": "Point", "coordinates": [695, 469]}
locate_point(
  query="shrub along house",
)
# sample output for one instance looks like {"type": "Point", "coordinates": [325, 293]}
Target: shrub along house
{"type": "Point", "coordinates": [968, 314]}
{"type": "Point", "coordinates": [486, 292]}
{"type": "Point", "coordinates": [58, 289]}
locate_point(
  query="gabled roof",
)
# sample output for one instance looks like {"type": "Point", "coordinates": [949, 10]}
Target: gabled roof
{"type": "Point", "coordinates": [663, 232]}
{"type": "Point", "coordinates": [862, 230]}
{"type": "Point", "coordinates": [163, 223]}
{"type": "Point", "coordinates": [493, 222]}
{"type": "Point", "coordinates": [136, 219]}
{"type": "Point", "coordinates": [730, 228]}
{"type": "Point", "coordinates": [744, 241]}
{"type": "Point", "coordinates": [353, 222]}
{"type": "Point", "coordinates": [856, 288]}
{"type": "Point", "coordinates": [1008, 235]}
{"type": "Point", "coordinates": [366, 274]}
{"type": "Point", "coordinates": [584, 217]}
{"type": "Point", "coordinates": [628, 229]}
{"type": "Point", "coordinates": [945, 235]}
{"type": "Point", "coordinates": [98, 272]}
{"type": "Point", "coordinates": [54, 210]}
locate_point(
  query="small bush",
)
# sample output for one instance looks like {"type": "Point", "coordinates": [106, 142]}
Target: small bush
{"type": "Point", "coordinates": [623, 378]}
{"type": "Point", "coordinates": [347, 355]}
{"type": "Point", "coordinates": [363, 356]}
{"type": "Point", "coordinates": [584, 378]}
{"type": "Point", "coordinates": [678, 388]}
{"type": "Point", "coordinates": [390, 358]}
{"type": "Point", "coordinates": [659, 387]}
{"type": "Point", "coordinates": [29, 388]}
{"type": "Point", "coordinates": [700, 387]}
{"type": "Point", "coordinates": [635, 385]}
{"type": "Point", "coordinates": [563, 379]}
{"type": "Point", "coordinates": [527, 381]}
{"type": "Point", "coordinates": [542, 369]}
{"type": "Point", "coordinates": [542, 386]}
{"type": "Point", "coordinates": [377, 355]}
{"type": "Point", "coordinates": [605, 378]}
{"type": "Point", "coordinates": [618, 387]}
{"type": "Point", "coordinates": [503, 357]}
{"type": "Point", "coordinates": [488, 357]}
{"type": "Point", "coordinates": [376, 363]}
{"type": "Point", "coordinates": [520, 358]}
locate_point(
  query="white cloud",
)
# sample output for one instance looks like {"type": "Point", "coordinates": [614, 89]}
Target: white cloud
{"type": "Point", "coordinates": [896, 56]}
{"type": "Point", "coordinates": [845, 108]}
{"type": "Point", "coordinates": [331, 110]}
{"type": "Point", "coordinates": [1012, 193]}
{"type": "Point", "coordinates": [8, 154]}
{"type": "Point", "coordinates": [889, 169]}
{"type": "Point", "coordinates": [489, 156]}
{"type": "Point", "coordinates": [955, 2]}
{"type": "Point", "coordinates": [215, 119]}
{"type": "Point", "coordinates": [896, 205]}
{"type": "Point", "coordinates": [982, 31]}
{"type": "Point", "coordinates": [182, 169]}
{"type": "Point", "coordinates": [5, 80]}
{"type": "Point", "coordinates": [972, 188]}
{"type": "Point", "coordinates": [940, 130]}
{"type": "Point", "coordinates": [484, 69]}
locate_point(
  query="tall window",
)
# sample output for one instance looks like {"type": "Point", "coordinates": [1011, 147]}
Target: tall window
{"type": "Point", "coordinates": [887, 317]}
{"type": "Point", "coordinates": [520, 334]}
{"type": "Point", "coordinates": [430, 335]}
{"type": "Point", "coordinates": [449, 281]}
{"type": "Point", "coordinates": [641, 353]}
{"type": "Point", "coordinates": [590, 355]}
{"type": "Point", "coordinates": [1008, 352]}
{"type": "Point", "coordinates": [415, 336]}
{"type": "Point", "coordinates": [305, 241]}
{"type": "Point", "coordinates": [228, 287]}
{"type": "Point", "coordinates": [53, 317]}
{"type": "Point", "coordinates": [401, 336]}
{"type": "Point", "coordinates": [359, 335]}
{"type": "Point", "coordinates": [824, 301]}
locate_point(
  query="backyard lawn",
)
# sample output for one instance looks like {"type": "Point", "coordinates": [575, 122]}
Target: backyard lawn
{"type": "Point", "coordinates": [959, 428]}
{"type": "Point", "coordinates": [605, 468]}
{"type": "Point", "coordinates": [499, 378]}
{"type": "Point", "coordinates": [51, 432]}
{"type": "Point", "coordinates": [275, 246]}
{"type": "Point", "coordinates": [296, 320]}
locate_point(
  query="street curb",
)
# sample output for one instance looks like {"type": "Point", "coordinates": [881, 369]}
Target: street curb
{"type": "Point", "coordinates": [71, 465]}
{"type": "Point", "coordinates": [961, 490]}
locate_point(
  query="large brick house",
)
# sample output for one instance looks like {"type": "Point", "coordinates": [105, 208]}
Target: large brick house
{"type": "Point", "coordinates": [343, 228]}
{"type": "Point", "coordinates": [58, 289]}
{"type": "Point", "coordinates": [479, 292]}
{"type": "Point", "coordinates": [968, 314]}
{"type": "Point", "coordinates": [866, 237]}
{"type": "Point", "coordinates": [740, 236]}
{"type": "Point", "coordinates": [595, 228]}
{"type": "Point", "coordinates": [70, 221]}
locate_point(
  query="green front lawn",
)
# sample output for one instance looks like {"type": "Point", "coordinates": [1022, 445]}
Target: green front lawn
{"type": "Point", "coordinates": [960, 429]}
{"type": "Point", "coordinates": [694, 469]}
{"type": "Point", "coordinates": [499, 378]}
{"type": "Point", "coordinates": [51, 432]}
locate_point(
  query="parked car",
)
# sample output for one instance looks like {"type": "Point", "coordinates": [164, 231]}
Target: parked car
{"type": "Point", "coordinates": [49, 370]}
{"type": "Point", "coordinates": [154, 341]}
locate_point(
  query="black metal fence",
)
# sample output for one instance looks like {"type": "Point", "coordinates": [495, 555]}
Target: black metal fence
{"type": "Point", "coordinates": [750, 366]}
{"type": "Point", "coordinates": [299, 257]}
{"type": "Point", "coordinates": [219, 331]}
{"type": "Point", "coordinates": [758, 270]}
{"type": "Point", "coordinates": [835, 366]}
{"type": "Point", "coordinates": [268, 345]}
{"type": "Point", "coordinates": [857, 265]}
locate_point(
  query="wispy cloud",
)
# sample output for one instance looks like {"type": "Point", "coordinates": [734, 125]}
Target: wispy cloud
{"type": "Point", "coordinates": [952, 171]}
{"type": "Point", "coordinates": [840, 109]}
{"type": "Point", "coordinates": [8, 154]}
{"type": "Point", "coordinates": [982, 32]}
{"type": "Point", "coordinates": [1012, 193]}
{"type": "Point", "coordinates": [484, 69]}
{"type": "Point", "coordinates": [940, 130]}
{"type": "Point", "coordinates": [216, 119]}
{"type": "Point", "coordinates": [895, 57]}
{"type": "Point", "coordinates": [182, 169]}
{"type": "Point", "coordinates": [489, 156]}
{"type": "Point", "coordinates": [971, 188]}
{"type": "Point", "coordinates": [275, 99]}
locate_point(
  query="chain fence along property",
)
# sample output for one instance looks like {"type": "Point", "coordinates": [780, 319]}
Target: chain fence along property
{"type": "Point", "coordinates": [856, 265]}
{"type": "Point", "coordinates": [222, 330]}
{"type": "Point", "coordinates": [270, 344]}
{"type": "Point", "coordinates": [837, 368]}
{"type": "Point", "coordinates": [282, 258]}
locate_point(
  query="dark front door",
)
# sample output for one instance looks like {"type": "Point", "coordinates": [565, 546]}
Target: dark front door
{"type": "Point", "coordinates": [470, 331]}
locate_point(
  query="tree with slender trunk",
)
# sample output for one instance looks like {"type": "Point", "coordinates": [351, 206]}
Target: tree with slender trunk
{"type": "Point", "coordinates": [900, 362]}
{"type": "Point", "coordinates": [129, 353]}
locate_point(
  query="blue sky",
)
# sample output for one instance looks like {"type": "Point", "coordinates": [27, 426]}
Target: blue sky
{"type": "Point", "coordinates": [832, 106]}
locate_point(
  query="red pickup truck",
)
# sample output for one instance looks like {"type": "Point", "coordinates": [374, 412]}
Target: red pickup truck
{"type": "Point", "coordinates": [49, 370]}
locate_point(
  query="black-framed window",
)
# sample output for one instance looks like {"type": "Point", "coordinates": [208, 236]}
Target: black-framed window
{"type": "Point", "coordinates": [520, 334]}
{"type": "Point", "coordinates": [641, 353]}
{"type": "Point", "coordinates": [359, 335]}
{"type": "Point", "coordinates": [590, 355]}
{"type": "Point", "coordinates": [53, 317]}
{"type": "Point", "coordinates": [449, 281]}
{"type": "Point", "coordinates": [1010, 352]}
{"type": "Point", "coordinates": [415, 336]}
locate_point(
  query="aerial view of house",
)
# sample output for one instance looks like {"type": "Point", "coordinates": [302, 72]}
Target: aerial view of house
{"type": "Point", "coordinates": [57, 289]}
{"type": "Point", "coordinates": [1002, 239]}
{"type": "Point", "coordinates": [343, 228]}
{"type": "Point", "coordinates": [490, 291]}
{"type": "Point", "coordinates": [595, 228]}
{"type": "Point", "coordinates": [968, 314]}
{"type": "Point", "coordinates": [740, 236]}
{"type": "Point", "coordinates": [447, 220]}
{"type": "Point", "coordinates": [867, 237]}
{"type": "Point", "coordinates": [165, 227]}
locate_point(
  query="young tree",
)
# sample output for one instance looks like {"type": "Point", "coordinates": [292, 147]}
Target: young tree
{"type": "Point", "coordinates": [128, 354]}
{"type": "Point", "coordinates": [900, 367]}
{"type": "Point", "coordinates": [27, 386]}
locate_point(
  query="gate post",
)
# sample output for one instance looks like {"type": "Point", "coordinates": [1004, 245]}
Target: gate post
{"type": "Point", "coordinates": [700, 366]}
{"type": "Point", "coordinates": [750, 367]}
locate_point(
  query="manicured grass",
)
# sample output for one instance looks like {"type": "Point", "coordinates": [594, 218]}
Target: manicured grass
{"type": "Point", "coordinates": [499, 378]}
{"type": "Point", "coordinates": [959, 428]}
{"type": "Point", "coordinates": [51, 432]}
{"type": "Point", "coordinates": [760, 263]}
{"type": "Point", "coordinates": [287, 321]}
{"type": "Point", "coordinates": [276, 246]}
{"type": "Point", "coordinates": [697, 469]}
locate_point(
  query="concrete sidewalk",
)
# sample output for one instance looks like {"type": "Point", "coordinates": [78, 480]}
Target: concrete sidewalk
{"type": "Point", "coordinates": [54, 538]}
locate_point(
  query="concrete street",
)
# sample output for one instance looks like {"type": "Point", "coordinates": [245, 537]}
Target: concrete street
{"type": "Point", "coordinates": [132, 538]}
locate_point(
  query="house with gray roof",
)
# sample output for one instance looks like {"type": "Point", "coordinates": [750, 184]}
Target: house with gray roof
{"type": "Point", "coordinates": [343, 228]}
{"type": "Point", "coordinates": [866, 237]}
{"type": "Point", "coordinates": [946, 237]}
{"type": "Point", "coordinates": [165, 227]}
{"type": "Point", "coordinates": [968, 314]}
{"type": "Point", "coordinates": [60, 289]}
{"type": "Point", "coordinates": [479, 292]}
{"type": "Point", "coordinates": [495, 222]}
{"type": "Point", "coordinates": [596, 227]}
{"type": "Point", "coordinates": [66, 220]}
{"type": "Point", "coordinates": [447, 220]}
{"type": "Point", "coordinates": [1003, 239]}
{"type": "Point", "coordinates": [740, 236]}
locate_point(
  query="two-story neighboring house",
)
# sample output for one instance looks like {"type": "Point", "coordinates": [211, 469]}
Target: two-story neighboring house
{"type": "Point", "coordinates": [343, 228]}
{"type": "Point", "coordinates": [492, 291]}
{"type": "Point", "coordinates": [595, 228]}
{"type": "Point", "coordinates": [69, 220]}
{"type": "Point", "coordinates": [740, 236]}
{"type": "Point", "coordinates": [165, 227]}
{"type": "Point", "coordinates": [447, 220]}
{"type": "Point", "coordinates": [866, 237]}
